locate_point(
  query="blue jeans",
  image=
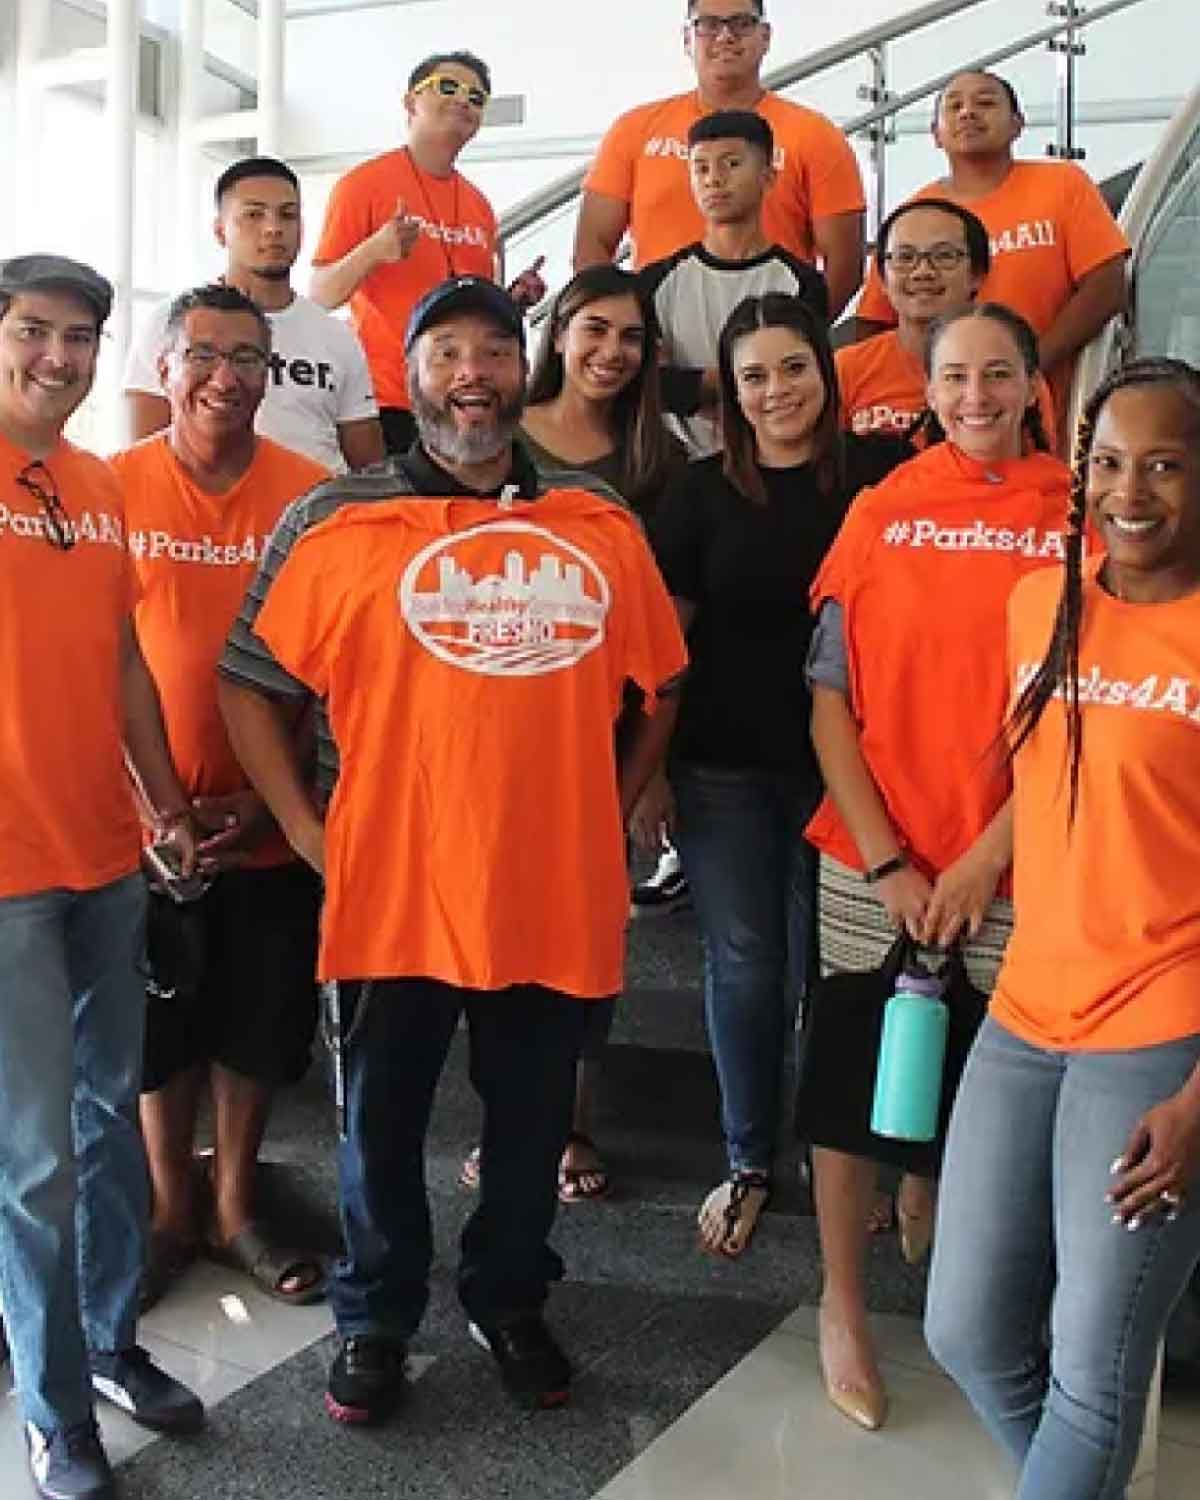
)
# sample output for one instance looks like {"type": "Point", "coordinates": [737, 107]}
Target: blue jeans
{"type": "Point", "coordinates": [524, 1044]}
{"type": "Point", "coordinates": [1024, 1234]}
{"type": "Point", "coordinates": [753, 882]}
{"type": "Point", "coordinates": [73, 1186]}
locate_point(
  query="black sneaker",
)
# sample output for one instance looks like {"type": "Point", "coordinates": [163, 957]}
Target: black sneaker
{"type": "Point", "coordinates": [154, 1399]}
{"type": "Point", "coordinates": [532, 1366]}
{"type": "Point", "coordinates": [70, 1463]}
{"type": "Point", "coordinates": [665, 891]}
{"type": "Point", "coordinates": [366, 1379]}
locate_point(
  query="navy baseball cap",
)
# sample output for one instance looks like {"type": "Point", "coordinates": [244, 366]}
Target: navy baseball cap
{"type": "Point", "coordinates": [34, 273]}
{"type": "Point", "coordinates": [465, 294]}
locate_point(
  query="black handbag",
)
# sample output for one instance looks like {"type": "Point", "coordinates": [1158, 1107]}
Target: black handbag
{"type": "Point", "coordinates": [839, 1049]}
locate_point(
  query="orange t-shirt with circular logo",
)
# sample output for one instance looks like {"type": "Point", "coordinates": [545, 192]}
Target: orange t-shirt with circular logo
{"type": "Point", "coordinates": [67, 815]}
{"type": "Point", "coordinates": [473, 659]}
{"type": "Point", "coordinates": [195, 554]}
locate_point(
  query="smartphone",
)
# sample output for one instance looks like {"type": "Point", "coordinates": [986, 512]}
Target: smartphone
{"type": "Point", "coordinates": [165, 871]}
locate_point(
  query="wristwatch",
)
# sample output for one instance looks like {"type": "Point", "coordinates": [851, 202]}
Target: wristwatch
{"type": "Point", "coordinates": [888, 867]}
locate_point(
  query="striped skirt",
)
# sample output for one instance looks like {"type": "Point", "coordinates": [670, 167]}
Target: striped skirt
{"type": "Point", "coordinates": [856, 931]}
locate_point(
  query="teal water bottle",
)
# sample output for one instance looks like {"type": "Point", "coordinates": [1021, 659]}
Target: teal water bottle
{"type": "Point", "coordinates": [908, 1078]}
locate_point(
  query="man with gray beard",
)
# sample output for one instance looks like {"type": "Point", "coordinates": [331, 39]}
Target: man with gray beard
{"type": "Point", "coordinates": [473, 638]}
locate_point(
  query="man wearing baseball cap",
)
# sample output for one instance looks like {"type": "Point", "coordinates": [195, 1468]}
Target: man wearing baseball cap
{"type": "Point", "coordinates": [78, 704]}
{"type": "Point", "coordinates": [473, 637]}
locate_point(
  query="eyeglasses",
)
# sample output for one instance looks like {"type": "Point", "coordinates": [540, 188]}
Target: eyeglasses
{"type": "Point", "coordinates": [244, 360]}
{"type": "Point", "coordinates": [38, 480]}
{"type": "Point", "coordinates": [450, 88]}
{"type": "Point", "coordinates": [711, 27]}
{"type": "Point", "coordinates": [941, 257]}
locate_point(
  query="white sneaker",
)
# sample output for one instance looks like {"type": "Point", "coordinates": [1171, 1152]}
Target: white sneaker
{"type": "Point", "coordinates": [665, 891]}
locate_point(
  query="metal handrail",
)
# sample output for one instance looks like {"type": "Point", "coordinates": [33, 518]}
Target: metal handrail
{"type": "Point", "coordinates": [981, 64]}
{"type": "Point", "coordinates": [1142, 210]}
{"type": "Point", "coordinates": [562, 190]}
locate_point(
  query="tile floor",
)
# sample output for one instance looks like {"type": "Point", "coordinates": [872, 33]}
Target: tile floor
{"type": "Point", "coordinates": [764, 1432]}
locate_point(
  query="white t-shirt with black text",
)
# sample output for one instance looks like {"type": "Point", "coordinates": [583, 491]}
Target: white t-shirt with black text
{"type": "Point", "coordinates": [318, 378]}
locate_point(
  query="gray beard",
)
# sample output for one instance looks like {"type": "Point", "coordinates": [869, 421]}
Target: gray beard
{"type": "Point", "coordinates": [440, 435]}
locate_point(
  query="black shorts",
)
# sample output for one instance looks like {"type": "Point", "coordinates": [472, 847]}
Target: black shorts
{"type": "Point", "coordinates": [232, 977]}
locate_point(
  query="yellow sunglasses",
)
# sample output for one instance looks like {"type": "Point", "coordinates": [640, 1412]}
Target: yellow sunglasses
{"type": "Point", "coordinates": [450, 88]}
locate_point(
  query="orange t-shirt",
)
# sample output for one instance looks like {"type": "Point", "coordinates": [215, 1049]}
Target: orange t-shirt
{"type": "Point", "coordinates": [195, 554]}
{"type": "Point", "coordinates": [642, 160]}
{"type": "Point", "coordinates": [881, 385]}
{"type": "Point", "coordinates": [1105, 951]}
{"type": "Point", "coordinates": [457, 238]}
{"type": "Point", "coordinates": [67, 816]}
{"type": "Point", "coordinates": [473, 659]}
{"type": "Point", "coordinates": [1048, 226]}
{"type": "Point", "coordinates": [923, 567]}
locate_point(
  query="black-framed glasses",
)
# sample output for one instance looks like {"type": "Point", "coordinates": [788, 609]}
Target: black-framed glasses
{"type": "Point", "coordinates": [245, 359]}
{"type": "Point", "coordinates": [740, 25]}
{"type": "Point", "coordinates": [941, 257]}
{"type": "Point", "coordinates": [59, 530]}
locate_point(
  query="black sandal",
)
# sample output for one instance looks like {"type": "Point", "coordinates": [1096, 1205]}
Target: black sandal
{"type": "Point", "coordinates": [740, 1185]}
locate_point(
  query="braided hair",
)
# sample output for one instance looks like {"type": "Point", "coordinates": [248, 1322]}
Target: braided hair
{"type": "Point", "coordinates": [927, 424]}
{"type": "Point", "coordinates": [1059, 670]}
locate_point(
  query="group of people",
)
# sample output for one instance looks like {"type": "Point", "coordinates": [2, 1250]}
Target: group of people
{"type": "Point", "coordinates": [354, 616]}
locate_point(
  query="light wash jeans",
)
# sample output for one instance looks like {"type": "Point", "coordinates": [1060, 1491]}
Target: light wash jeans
{"type": "Point", "coordinates": [73, 1186]}
{"type": "Point", "coordinates": [1024, 1234]}
{"type": "Point", "coordinates": [753, 881]}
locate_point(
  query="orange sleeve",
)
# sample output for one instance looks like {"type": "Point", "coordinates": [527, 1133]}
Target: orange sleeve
{"type": "Point", "coordinates": [348, 219]}
{"type": "Point", "coordinates": [1093, 235]}
{"type": "Point", "coordinates": [834, 177]}
{"type": "Point", "coordinates": [300, 619]}
{"type": "Point", "coordinates": [875, 303]}
{"type": "Point", "coordinates": [611, 172]}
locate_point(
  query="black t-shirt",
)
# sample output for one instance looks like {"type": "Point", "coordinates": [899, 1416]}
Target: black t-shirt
{"type": "Point", "coordinates": [748, 568]}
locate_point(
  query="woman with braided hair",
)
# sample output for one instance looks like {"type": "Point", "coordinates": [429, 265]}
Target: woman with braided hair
{"type": "Point", "coordinates": [1070, 1186]}
{"type": "Point", "coordinates": [909, 695]}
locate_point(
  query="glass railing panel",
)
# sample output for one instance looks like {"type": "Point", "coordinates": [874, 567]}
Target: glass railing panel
{"type": "Point", "coordinates": [1167, 288]}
